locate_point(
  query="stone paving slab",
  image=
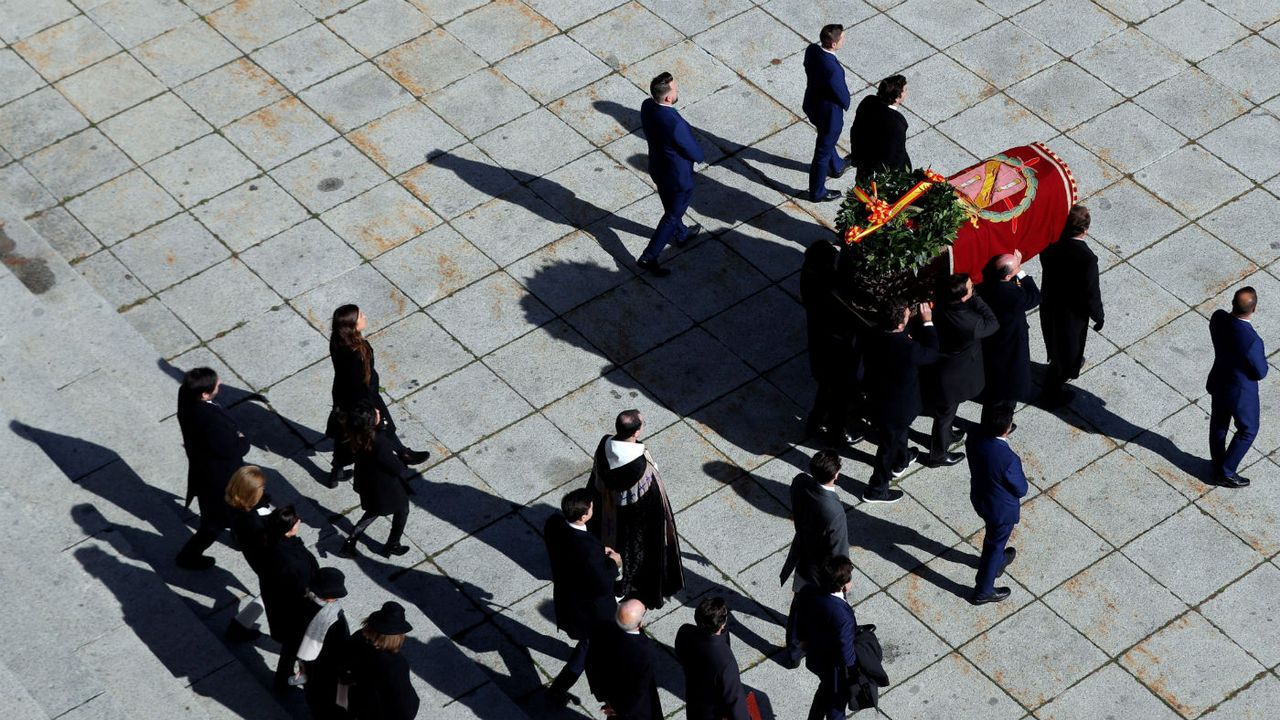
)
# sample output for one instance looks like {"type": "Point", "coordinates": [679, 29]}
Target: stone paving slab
{"type": "Point", "coordinates": [504, 231]}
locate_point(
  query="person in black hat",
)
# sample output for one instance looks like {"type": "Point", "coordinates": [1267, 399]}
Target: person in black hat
{"type": "Point", "coordinates": [380, 687]}
{"type": "Point", "coordinates": [323, 647]}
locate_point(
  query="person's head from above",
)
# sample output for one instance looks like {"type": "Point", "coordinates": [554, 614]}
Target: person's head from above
{"type": "Point", "coordinates": [835, 574]}
{"type": "Point", "coordinates": [958, 287]}
{"type": "Point", "coordinates": [386, 627]}
{"type": "Point", "coordinates": [576, 506]}
{"type": "Point", "coordinates": [201, 383]}
{"type": "Point", "coordinates": [328, 584]}
{"type": "Point", "coordinates": [997, 420]}
{"type": "Point", "coordinates": [1244, 302]}
{"type": "Point", "coordinates": [712, 615]}
{"type": "Point", "coordinates": [1078, 220]}
{"type": "Point", "coordinates": [245, 489]}
{"type": "Point", "coordinates": [893, 90]}
{"type": "Point", "coordinates": [628, 426]}
{"type": "Point", "coordinates": [283, 522]}
{"type": "Point", "coordinates": [824, 467]}
{"type": "Point", "coordinates": [348, 322]}
{"type": "Point", "coordinates": [831, 37]}
{"type": "Point", "coordinates": [1003, 268]}
{"type": "Point", "coordinates": [630, 615]}
{"type": "Point", "coordinates": [896, 316]}
{"type": "Point", "coordinates": [663, 89]}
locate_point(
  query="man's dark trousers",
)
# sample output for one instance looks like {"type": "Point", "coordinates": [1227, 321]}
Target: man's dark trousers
{"type": "Point", "coordinates": [671, 227]}
{"type": "Point", "coordinates": [573, 668]}
{"type": "Point", "coordinates": [993, 544]}
{"type": "Point", "coordinates": [1222, 410]}
{"type": "Point", "coordinates": [890, 455]}
{"type": "Point", "coordinates": [826, 161]}
{"type": "Point", "coordinates": [832, 697]}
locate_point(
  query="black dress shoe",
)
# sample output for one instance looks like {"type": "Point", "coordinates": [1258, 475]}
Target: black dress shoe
{"type": "Point", "coordinates": [839, 438]}
{"type": "Point", "coordinates": [199, 562]}
{"type": "Point", "coordinates": [947, 460]}
{"type": "Point", "coordinates": [689, 235]}
{"type": "Point", "coordinates": [888, 497]}
{"type": "Point", "coordinates": [331, 482]}
{"type": "Point", "coordinates": [912, 456]}
{"type": "Point", "coordinates": [396, 549]}
{"type": "Point", "coordinates": [653, 268]}
{"type": "Point", "coordinates": [828, 196]}
{"type": "Point", "coordinates": [348, 549]}
{"type": "Point", "coordinates": [997, 595]}
{"type": "Point", "coordinates": [414, 457]}
{"type": "Point", "coordinates": [1010, 554]}
{"type": "Point", "coordinates": [1232, 481]}
{"type": "Point", "coordinates": [957, 436]}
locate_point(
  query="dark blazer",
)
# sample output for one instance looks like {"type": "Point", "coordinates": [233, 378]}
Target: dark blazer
{"type": "Point", "coordinates": [287, 567]}
{"type": "Point", "coordinates": [621, 670]}
{"type": "Point", "coordinates": [826, 96]}
{"type": "Point", "coordinates": [1239, 360]}
{"type": "Point", "coordinates": [378, 478]}
{"type": "Point", "coordinates": [958, 374]}
{"type": "Point", "coordinates": [713, 685]}
{"type": "Point", "coordinates": [1006, 354]}
{"type": "Point", "coordinates": [878, 136]}
{"type": "Point", "coordinates": [893, 361]}
{"type": "Point", "coordinates": [826, 625]}
{"type": "Point", "coordinates": [582, 577]}
{"type": "Point", "coordinates": [996, 481]}
{"type": "Point", "coordinates": [349, 388]}
{"type": "Point", "coordinates": [1072, 297]}
{"type": "Point", "coordinates": [215, 450]}
{"type": "Point", "coordinates": [821, 528]}
{"type": "Point", "coordinates": [325, 672]}
{"type": "Point", "coordinates": [380, 687]}
{"type": "Point", "coordinates": [672, 147]}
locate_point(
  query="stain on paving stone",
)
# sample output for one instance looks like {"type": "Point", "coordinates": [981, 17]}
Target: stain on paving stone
{"type": "Point", "coordinates": [34, 273]}
{"type": "Point", "coordinates": [329, 184]}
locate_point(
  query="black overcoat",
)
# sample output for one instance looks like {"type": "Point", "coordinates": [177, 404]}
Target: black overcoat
{"type": "Point", "coordinates": [324, 672]}
{"type": "Point", "coordinates": [893, 362]}
{"type": "Point", "coordinates": [287, 567]}
{"type": "Point", "coordinates": [621, 670]}
{"type": "Point", "coordinates": [822, 530]}
{"type": "Point", "coordinates": [582, 577]}
{"type": "Point", "coordinates": [878, 136]}
{"type": "Point", "coordinates": [247, 528]}
{"type": "Point", "coordinates": [712, 684]}
{"type": "Point", "coordinates": [833, 356]}
{"type": "Point", "coordinates": [958, 375]}
{"type": "Point", "coordinates": [378, 478]}
{"type": "Point", "coordinates": [1072, 297]}
{"type": "Point", "coordinates": [215, 449]}
{"type": "Point", "coordinates": [349, 388]}
{"type": "Point", "coordinates": [1006, 354]}
{"type": "Point", "coordinates": [380, 686]}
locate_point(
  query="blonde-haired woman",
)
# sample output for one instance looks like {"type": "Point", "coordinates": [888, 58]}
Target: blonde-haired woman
{"type": "Point", "coordinates": [246, 501]}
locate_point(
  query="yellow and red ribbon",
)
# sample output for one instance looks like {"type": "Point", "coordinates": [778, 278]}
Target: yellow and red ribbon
{"type": "Point", "coordinates": [880, 213]}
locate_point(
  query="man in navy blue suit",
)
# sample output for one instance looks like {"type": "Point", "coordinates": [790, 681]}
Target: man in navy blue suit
{"type": "Point", "coordinates": [1239, 362]}
{"type": "Point", "coordinates": [996, 486]}
{"type": "Point", "coordinates": [672, 153]}
{"type": "Point", "coordinates": [826, 98]}
{"type": "Point", "coordinates": [826, 628]}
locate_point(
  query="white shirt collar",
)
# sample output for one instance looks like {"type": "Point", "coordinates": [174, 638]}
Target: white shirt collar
{"type": "Point", "coordinates": [828, 488]}
{"type": "Point", "coordinates": [578, 526]}
{"type": "Point", "coordinates": [827, 50]}
{"type": "Point", "coordinates": [838, 595]}
{"type": "Point", "coordinates": [1004, 440]}
{"type": "Point", "coordinates": [632, 632]}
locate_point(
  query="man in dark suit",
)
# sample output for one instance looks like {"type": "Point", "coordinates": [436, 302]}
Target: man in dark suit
{"type": "Point", "coordinates": [834, 353]}
{"type": "Point", "coordinates": [962, 320]}
{"type": "Point", "coordinates": [827, 628]}
{"type": "Point", "coordinates": [826, 98]}
{"type": "Point", "coordinates": [878, 137]}
{"type": "Point", "coordinates": [1239, 362]}
{"type": "Point", "coordinates": [215, 449]}
{"type": "Point", "coordinates": [893, 359]}
{"type": "Point", "coordinates": [996, 485]}
{"type": "Point", "coordinates": [1071, 299]}
{"type": "Point", "coordinates": [582, 577]}
{"type": "Point", "coordinates": [672, 153]}
{"type": "Point", "coordinates": [621, 666]}
{"type": "Point", "coordinates": [713, 685]}
{"type": "Point", "coordinates": [1006, 354]}
{"type": "Point", "coordinates": [821, 531]}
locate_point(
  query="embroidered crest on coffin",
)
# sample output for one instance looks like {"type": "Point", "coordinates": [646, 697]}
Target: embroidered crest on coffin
{"type": "Point", "coordinates": [1000, 189]}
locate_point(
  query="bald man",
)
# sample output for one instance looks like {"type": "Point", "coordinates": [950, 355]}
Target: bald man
{"type": "Point", "coordinates": [1006, 354]}
{"type": "Point", "coordinates": [622, 664]}
{"type": "Point", "coordinates": [1239, 362]}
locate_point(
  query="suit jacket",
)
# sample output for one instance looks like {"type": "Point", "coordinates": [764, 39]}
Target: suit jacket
{"type": "Point", "coordinates": [826, 96]}
{"type": "Point", "coordinates": [215, 450]}
{"type": "Point", "coordinates": [893, 361]}
{"type": "Point", "coordinates": [621, 671]}
{"type": "Point", "coordinates": [582, 577]}
{"type": "Point", "coordinates": [958, 374]}
{"type": "Point", "coordinates": [380, 688]}
{"type": "Point", "coordinates": [996, 480]}
{"type": "Point", "coordinates": [878, 136]}
{"type": "Point", "coordinates": [1239, 360]}
{"type": "Point", "coordinates": [672, 147]}
{"type": "Point", "coordinates": [1006, 354]}
{"type": "Point", "coordinates": [826, 625]}
{"type": "Point", "coordinates": [821, 528]}
{"type": "Point", "coordinates": [713, 686]}
{"type": "Point", "coordinates": [378, 478]}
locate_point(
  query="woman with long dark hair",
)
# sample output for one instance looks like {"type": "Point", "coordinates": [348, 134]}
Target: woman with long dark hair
{"type": "Point", "coordinates": [380, 479]}
{"type": "Point", "coordinates": [355, 381]}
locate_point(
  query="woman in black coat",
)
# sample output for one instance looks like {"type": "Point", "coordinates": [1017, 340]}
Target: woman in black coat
{"type": "Point", "coordinates": [356, 383]}
{"type": "Point", "coordinates": [247, 504]}
{"type": "Point", "coordinates": [287, 567]}
{"type": "Point", "coordinates": [380, 480]}
{"type": "Point", "coordinates": [380, 686]}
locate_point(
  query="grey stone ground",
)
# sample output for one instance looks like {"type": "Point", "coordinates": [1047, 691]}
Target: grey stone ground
{"type": "Point", "coordinates": [220, 176]}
